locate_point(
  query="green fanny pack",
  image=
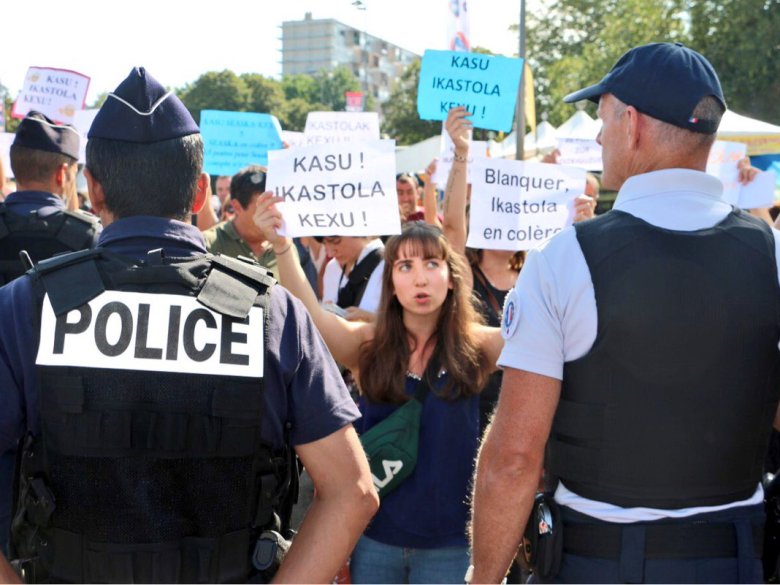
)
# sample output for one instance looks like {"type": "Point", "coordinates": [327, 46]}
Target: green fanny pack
{"type": "Point", "coordinates": [391, 446]}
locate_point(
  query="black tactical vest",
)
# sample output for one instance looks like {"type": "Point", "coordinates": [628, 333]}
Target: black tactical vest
{"type": "Point", "coordinates": [352, 292]}
{"type": "Point", "coordinates": [149, 476]}
{"type": "Point", "coordinates": [41, 238]}
{"type": "Point", "coordinates": [673, 405]}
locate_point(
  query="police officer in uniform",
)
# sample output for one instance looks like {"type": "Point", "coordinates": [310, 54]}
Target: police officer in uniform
{"type": "Point", "coordinates": [35, 219]}
{"type": "Point", "coordinates": [157, 390]}
{"type": "Point", "coordinates": [644, 344]}
{"type": "Point", "coordinates": [44, 159]}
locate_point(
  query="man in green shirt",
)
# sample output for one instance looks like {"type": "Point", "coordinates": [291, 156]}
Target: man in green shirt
{"type": "Point", "coordinates": [240, 236]}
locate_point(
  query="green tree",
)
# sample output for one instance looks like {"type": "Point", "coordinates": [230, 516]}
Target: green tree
{"type": "Point", "coordinates": [99, 101]}
{"type": "Point", "coordinates": [332, 86]}
{"type": "Point", "coordinates": [300, 86]}
{"type": "Point", "coordinates": [401, 119]}
{"type": "Point", "coordinates": [742, 40]}
{"type": "Point", "coordinates": [573, 43]}
{"type": "Point", "coordinates": [295, 110]}
{"type": "Point", "coordinates": [214, 90]}
{"type": "Point", "coordinates": [264, 95]}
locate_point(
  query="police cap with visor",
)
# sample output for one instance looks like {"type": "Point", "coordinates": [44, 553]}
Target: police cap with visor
{"type": "Point", "coordinates": [663, 80]}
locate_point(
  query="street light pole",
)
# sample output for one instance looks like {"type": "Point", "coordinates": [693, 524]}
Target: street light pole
{"type": "Point", "coordinates": [520, 113]}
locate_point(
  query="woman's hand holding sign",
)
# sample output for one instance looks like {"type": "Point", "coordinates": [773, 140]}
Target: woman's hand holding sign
{"type": "Point", "coordinates": [459, 128]}
{"type": "Point", "coordinates": [269, 219]}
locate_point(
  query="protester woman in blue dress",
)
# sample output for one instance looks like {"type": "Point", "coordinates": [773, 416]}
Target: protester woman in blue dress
{"type": "Point", "coordinates": [426, 313]}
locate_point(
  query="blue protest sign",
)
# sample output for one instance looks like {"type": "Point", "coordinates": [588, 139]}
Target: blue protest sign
{"type": "Point", "coordinates": [233, 140]}
{"type": "Point", "coordinates": [485, 84]}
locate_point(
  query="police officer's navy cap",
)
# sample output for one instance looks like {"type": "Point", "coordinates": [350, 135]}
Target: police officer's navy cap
{"type": "Point", "coordinates": [663, 80]}
{"type": "Point", "coordinates": [141, 110]}
{"type": "Point", "coordinates": [38, 132]}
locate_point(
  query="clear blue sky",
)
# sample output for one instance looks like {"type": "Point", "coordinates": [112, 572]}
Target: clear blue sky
{"type": "Point", "coordinates": [177, 40]}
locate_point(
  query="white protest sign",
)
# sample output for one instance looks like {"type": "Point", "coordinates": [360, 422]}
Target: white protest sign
{"type": "Point", "coordinates": [722, 164]}
{"type": "Point", "coordinates": [760, 192]}
{"type": "Point", "coordinates": [477, 149]}
{"type": "Point", "coordinates": [576, 152]}
{"type": "Point", "coordinates": [293, 139]}
{"type": "Point", "coordinates": [517, 205]}
{"type": "Point", "coordinates": [342, 189]}
{"type": "Point", "coordinates": [83, 121]}
{"type": "Point", "coordinates": [57, 93]}
{"type": "Point", "coordinates": [330, 127]}
{"type": "Point", "coordinates": [6, 140]}
{"type": "Point", "coordinates": [152, 332]}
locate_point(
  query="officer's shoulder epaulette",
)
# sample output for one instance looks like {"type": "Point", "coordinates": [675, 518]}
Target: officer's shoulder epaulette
{"type": "Point", "coordinates": [233, 286]}
{"type": "Point", "coordinates": [246, 267]}
{"type": "Point", "coordinates": [70, 279]}
{"type": "Point", "coordinates": [83, 216]}
{"type": "Point", "coordinates": [59, 261]}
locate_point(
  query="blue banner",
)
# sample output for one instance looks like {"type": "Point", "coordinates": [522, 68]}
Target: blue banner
{"type": "Point", "coordinates": [233, 140]}
{"type": "Point", "coordinates": [486, 85]}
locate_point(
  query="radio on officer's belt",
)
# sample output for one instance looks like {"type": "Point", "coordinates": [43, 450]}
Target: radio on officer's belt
{"type": "Point", "coordinates": [542, 543]}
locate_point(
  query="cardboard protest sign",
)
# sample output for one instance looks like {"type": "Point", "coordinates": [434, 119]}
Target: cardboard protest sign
{"type": "Point", "coordinates": [6, 140]}
{"type": "Point", "coordinates": [760, 192]}
{"type": "Point", "coordinates": [331, 127]}
{"type": "Point", "coordinates": [343, 189]}
{"type": "Point", "coordinates": [477, 149]}
{"type": "Point", "coordinates": [484, 84]}
{"type": "Point", "coordinates": [57, 93]}
{"type": "Point", "coordinates": [233, 140]}
{"type": "Point", "coordinates": [83, 121]}
{"type": "Point", "coordinates": [722, 163]}
{"type": "Point", "coordinates": [576, 152]}
{"type": "Point", "coordinates": [517, 205]}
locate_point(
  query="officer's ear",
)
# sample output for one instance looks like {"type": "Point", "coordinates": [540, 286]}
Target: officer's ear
{"type": "Point", "coordinates": [202, 192]}
{"type": "Point", "coordinates": [97, 197]}
{"type": "Point", "coordinates": [61, 175]}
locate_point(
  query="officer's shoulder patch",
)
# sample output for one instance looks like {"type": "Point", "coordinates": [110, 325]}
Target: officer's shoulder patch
{"type": "Point", "coordinates": [511, 314]}
{"type": "Point", "coordinates": [83, 216]}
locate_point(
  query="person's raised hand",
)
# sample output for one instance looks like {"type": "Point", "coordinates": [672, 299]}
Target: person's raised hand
{"type": "Point", "coordinates": [747, 172]}
{"type": "Point", "coordinates": [584, 208]}
{"type": "Point", "coordinates": [268, 219]}
{"type": "Point", "coordinates": [551, 157]}
{"type": "Point", "coordinates": [430, 170]}
{"type": "Point", "coordinates": [459, 126]}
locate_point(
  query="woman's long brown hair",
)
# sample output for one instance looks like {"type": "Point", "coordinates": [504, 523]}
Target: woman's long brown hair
{"type": "Point", "coordinates": [384, 360]}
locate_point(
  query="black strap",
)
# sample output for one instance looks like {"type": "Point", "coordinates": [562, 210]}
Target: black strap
{"type": "Point", "coordinates": [662, 541]}
{"type": "Point", "coordinates": [351, 293]}
{"type": "Point", "coordinates": [488, 288]}
{"type": "Point", "coordinates": [4, 231]}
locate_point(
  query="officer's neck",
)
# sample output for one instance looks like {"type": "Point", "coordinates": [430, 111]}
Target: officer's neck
{"type": "Point", "coordinates": [47, 186]}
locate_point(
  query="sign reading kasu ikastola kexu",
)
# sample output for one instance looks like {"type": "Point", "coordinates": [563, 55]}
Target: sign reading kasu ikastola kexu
{"type": "Point", "coordinates": [486, 85]}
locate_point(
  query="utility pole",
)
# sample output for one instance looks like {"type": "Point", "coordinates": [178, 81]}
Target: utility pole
{"type": "Point", "coordinates": [520, 113]}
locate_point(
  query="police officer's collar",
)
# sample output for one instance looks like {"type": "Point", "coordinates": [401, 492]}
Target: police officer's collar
{"type": "Point", "coordinates": [136, 235]}
{"type": "Point", "coordinates": [38, 198]}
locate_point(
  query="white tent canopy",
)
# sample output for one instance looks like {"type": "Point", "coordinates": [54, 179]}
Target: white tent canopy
{"type": "Point", "coordinates": [760, 137]}
{"type": "Point", "coordinates": [414, 158]}
{"type": "Point", "coordinates": [580, 126]}
{"type": "Point", "coordinates": [733, 123]}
